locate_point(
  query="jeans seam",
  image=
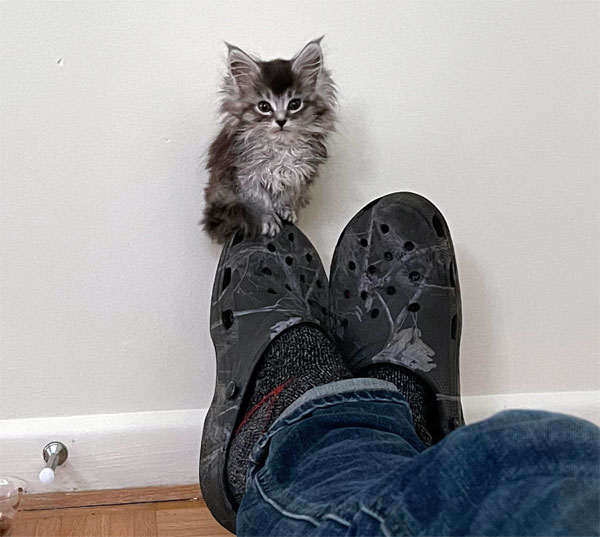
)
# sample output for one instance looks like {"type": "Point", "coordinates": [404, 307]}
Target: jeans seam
{"type": "Point", "coordinates": [323, 404]}
{"type": "Point", "coordinates": [297, 516]}
{"type": "Point", "coordinates": [384, 528]}
{"type": "Point", "coordinates": [338, 518]}
{"type": "Point", "coordinates": [282, 511]}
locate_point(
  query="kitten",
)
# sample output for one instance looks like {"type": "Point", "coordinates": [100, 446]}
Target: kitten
{"type": "Point", "coordinates": [276, 118]}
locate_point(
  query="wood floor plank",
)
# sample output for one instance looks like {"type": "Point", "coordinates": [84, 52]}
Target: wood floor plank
{"type": "Point", "coordinates": [144, 524]}
{"type": "Point", "coordinates": [195, 521]}
{"type": "Point", "coordinates": [105, 524]}
{"type": "Point", "coordinates": [48, 526]}
{"type": "Point", "coordinates": [24, 527]}
{"type": "Point", "coordinates": [93, 524]}
{"type": "Point", "coordinates": [73, 525]}
{"type": "Point", "coordinates": [189, 518]}
{"type": "Point", "coordinates": [122, 523]}
{"type": "Point", "coordinates": [98, 519]}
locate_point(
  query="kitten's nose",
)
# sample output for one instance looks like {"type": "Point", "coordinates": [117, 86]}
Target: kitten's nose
{"type": "Point", "coordinates": [281, 122]}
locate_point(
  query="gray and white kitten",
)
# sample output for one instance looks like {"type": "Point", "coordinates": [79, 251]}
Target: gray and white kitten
{"type": "Point", "coordinates": [276, 118]}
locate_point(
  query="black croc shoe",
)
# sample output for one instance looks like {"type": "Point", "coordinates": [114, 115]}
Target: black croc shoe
{"type": "Point", "coordinates": [262, 287]}
{"type": "Point", "coordinates": [394, 296]}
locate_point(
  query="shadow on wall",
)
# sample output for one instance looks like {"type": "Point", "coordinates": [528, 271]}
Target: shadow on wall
{"type": "Point", "coordinates": [343, 186]}
{"type": "Point", "coordinates": [478, 326]}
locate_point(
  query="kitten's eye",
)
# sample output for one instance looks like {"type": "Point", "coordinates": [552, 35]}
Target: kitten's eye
{"type": "Point", "coordinates": [294, 104]}
{"type": "Point", "coordinates": [264, 107]}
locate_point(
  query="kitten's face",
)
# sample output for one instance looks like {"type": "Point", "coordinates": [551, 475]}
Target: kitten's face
{"type": "Point", "coordinates": [277, 103]}
{"type": "Point", "coordinates": [280, 98]}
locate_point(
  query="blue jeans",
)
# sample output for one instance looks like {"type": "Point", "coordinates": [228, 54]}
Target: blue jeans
{"type": "Point", "coordinates": [344, 459]}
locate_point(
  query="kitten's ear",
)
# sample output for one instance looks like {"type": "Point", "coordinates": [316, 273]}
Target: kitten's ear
{"type": "Point", "coordinates": [243, 69]}
{"type": "Point", "coordinates": [308, 62]}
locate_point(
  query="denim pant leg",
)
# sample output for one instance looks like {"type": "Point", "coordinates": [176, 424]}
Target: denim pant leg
{"type": "Point", "coordinates": [345, 460]}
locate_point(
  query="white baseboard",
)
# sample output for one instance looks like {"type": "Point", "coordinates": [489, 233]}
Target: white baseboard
{"type": "Point", "coordinates": [113, 451]}
{"type": "Point", "coordinates": [584, 405]}
{"type": "Point", "coordinates": [161, 448]}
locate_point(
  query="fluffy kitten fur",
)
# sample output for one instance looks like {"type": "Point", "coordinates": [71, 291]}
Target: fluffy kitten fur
{"type": "Point", "coordinates": [265, 157]}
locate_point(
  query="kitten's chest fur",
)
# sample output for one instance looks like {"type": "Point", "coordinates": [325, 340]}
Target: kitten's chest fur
{"type": "Point", "coordinates": [278, 165]}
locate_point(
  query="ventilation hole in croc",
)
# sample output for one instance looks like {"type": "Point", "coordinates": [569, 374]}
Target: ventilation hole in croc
{"type": "Point", "coordinates": [226, 278]}
{"type": "Point", "coordinates": [351, 265]}
{"type": "Point", "coordinates": [291, 237]}
{"type": "Point", "coordinates": [438, 225]}
{"type": "Point", "coordinates": [408, 246]}
{"type": "Point", "coordinates": [227, 318]}
{"type": "Point", "coordinates": [370, 205]}
{"type": "Point", "coordinates": [454, 327]}
{"type": "Point", "coordinates": [414, 276]}
{"type": "Point", "coordinates": [414, 307]}
{"type": "Point", "coordinates": [384, 228]}
{"type": "Point", "coordinates": [452, 280]}
{"type": "Point", "coordinates": [364, 242]}
{"type": "Point", "coordinates": [364, 295]}
{"type": "Point", "coordinates": [289, 260]}
{"type": "Point", "coordinates": [374, 313]}
{"type": "Point", "coordinates": [302, 278]}
{"type": "Point", "coordinates": [239, 237]}
{"type": "Point", "coordinates": [271, 247]}
{"type": "Point", "coordinates": [271, 291]}
{"type": "Point", "coordinates": [344, 323]}
{"type": "Point", "coordinates": [288, 287]}
{"type": "Point", "coordinates": [391, 290]}
{"type": "Point", "coordinates": [388, 256]}
{"type": "Point", "coordinates": [319, 284]}
{"type": "Point", "coordinates": [323, 310]}
{"type": "Point", "coordinates": [309, 257]}
{"type": "Point", "coordinates": [347, 293]}
{"type": "Point", "coordinates": [372, 269]}
{"type": "Point", "coordinates": [267, 271]}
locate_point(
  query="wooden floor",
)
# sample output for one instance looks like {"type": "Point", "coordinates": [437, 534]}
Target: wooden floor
{"type": "Point", "coordinates": [182, 518]}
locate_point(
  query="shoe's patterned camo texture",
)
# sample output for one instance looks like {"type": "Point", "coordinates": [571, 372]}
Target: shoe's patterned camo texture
{"type": "Point", "coordinates": [262, 286]}
{"type": "Point", "coordinates": [394, 295]}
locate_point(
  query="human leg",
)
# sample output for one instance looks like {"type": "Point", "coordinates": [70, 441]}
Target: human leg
{"type": "Point", "coordinates": [361, 470]}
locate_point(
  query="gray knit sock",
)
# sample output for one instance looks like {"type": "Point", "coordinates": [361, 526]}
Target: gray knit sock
{"type": "Point", "coordinates": [420, 398]}
{"type": "Point", "coordinates": [299, 359]}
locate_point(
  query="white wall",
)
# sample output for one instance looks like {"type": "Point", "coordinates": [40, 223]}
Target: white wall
{"type": "Point", "coordinates": [488, 108]}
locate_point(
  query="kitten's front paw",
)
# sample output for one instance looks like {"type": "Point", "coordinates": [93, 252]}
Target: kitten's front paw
{"type": "Point", "coordinates": [288, 214]}
{"type": "Point", "coordinates": [271, 225]}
